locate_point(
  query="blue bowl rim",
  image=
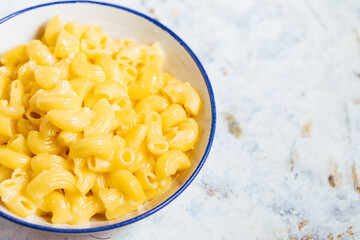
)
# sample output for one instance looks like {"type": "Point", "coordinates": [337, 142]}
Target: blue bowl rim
{"type": "Point", "coordinates": [207, 150]}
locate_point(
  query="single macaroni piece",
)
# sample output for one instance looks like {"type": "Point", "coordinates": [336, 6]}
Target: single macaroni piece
{"type": "Point", "coordinates": [70, 120]}
{"type": "Point", "coordinates": [12, 159]}
{"type": "Point", "coordinates": [48, 181]}
{"type": "Point", "coordinates": [90, 125]}
{"type": "Point", "coordinates": [127, 183]}
{"type": "Point", "coordinates": [14, 108]}
{"type": "Point", "coordinates": [44, 161]}
{"type": "Point", "coordinates": [170, 162]}
{"type": "Point", "coordinates": [59, 206]}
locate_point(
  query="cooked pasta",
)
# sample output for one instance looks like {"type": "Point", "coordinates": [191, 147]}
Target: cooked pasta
{"type": "Point", "coordinates": [90, 125]}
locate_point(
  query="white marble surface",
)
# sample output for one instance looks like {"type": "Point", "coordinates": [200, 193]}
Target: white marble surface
{"type": "Point", "coordinates": [288, 73]}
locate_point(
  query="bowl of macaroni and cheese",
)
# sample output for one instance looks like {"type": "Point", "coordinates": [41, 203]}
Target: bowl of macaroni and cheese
{"type": "Point", "coordinates": [106, 116]}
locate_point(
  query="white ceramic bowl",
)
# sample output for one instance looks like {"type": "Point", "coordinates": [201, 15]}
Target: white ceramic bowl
{"type": "Point", "coordinates": [120, 22]}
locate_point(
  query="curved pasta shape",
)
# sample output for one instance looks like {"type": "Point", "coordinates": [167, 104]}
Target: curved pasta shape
{"type": "Point", "coordinates": [21, 206]}
{"type": "Point", "coordinates": [83, 69]}
{"type": "Point", "coordinates": [100, 146]}
{"type": "Point", "coordinates": [52, 31]}
{"type": "Point", "coordinates": [15, 55]}
{"type": "Point", "coordinates": [48, 181]}
{"type": "Point", "coordinates": [173, 115]}
{"type": "Point", "coordinates": [170, 162]}
{"type": "Point", "coordinates": [14, 109]}
{"type": "Point", "coordinates": [44, 161]}
{"type": "Point", "coordinates": [184, 136]}
{"type": "Point", "coordinates": [17, 143]}
{"type": "Point", "coordinates": [12, 159]}
{"type": "Point", "coordinates": [128, 184]}
{"type": "Point", "coordinates": [38, 144]}
{"type": "Point", "coordinates": [71, 120]}
{"type": "Point", "coordinates": [66, 44]}
{"type": "Point", "coordinates": [40, 53]}
{"type": "Point", "coordinates": [83, 208]}
{"type": "Point", "coordinates": [103, 120]}
{"type": "Point", "coordinates": [47, 129]}
{"type": "Point", "coordinates": [110, 90]}
{"type": "Point", "coordinates": [59, 206]}
{"type": "Point", "coordinates": [150, 103]}
{"type": "Point", "coordinates": [184, 94]}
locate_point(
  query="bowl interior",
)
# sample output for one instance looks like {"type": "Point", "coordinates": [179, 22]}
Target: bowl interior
{"type": "Point", "coordinates": [118, 23]}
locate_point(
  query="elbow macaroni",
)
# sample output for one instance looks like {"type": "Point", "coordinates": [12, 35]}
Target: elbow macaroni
{"type": "Point", "coordinates": [90, 125]}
